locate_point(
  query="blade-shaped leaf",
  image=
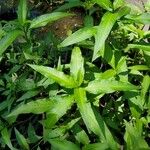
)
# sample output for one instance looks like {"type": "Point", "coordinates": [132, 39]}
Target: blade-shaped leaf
{"type": "Point", "coordinates": [96, 146]}
{"type": "Point", "coordinates": [80, 134]}
{"type": "Point", "coordinates": [87, 112]}
{"type": "Point", "coordinates": [58, 76]}
{"type": "Point", "coordinates": [145, 87]}
{"type": "Point", "coordinates": [107, 22]}
{"type": "Point", "coordinates": [63, 145]}
{"type": "Point", "coordinates": [62, 104]}
{"type": "Point", "coordinates": [47, 18]}
{"type": "Point", "coordinates": [27, 95]}
{"type": "Point", "coordinates": [6, 41]}
{"type": "Point", "coordinates": [134, 138]}
{"type": "Point", "coordinates": [109, 139]}
{"type": "Point", "coordinates": [143, 18]}
{"type": "Point", "coordinates": [138, 46]}
{"type": "Point", "coordinates": [22, 11]}
{"type": "Point", "coordinates": [108, 86]}
{"type": "Point", "coordinates": [139, 67]}
{"type": "Point", "coordinates": [106, 4]}
{"type": "Point", "coordinates": [36, 107]}
{"type": "Point", "coordinates": [78, 36]}
{"type": "Point", "coordinates": [32, 137]}
{"type": "Point", "coordinates": [21, 140]}
{"type": "Point", "coordinates": [77, 66]}
{"type": "Point", "coordinates": [6, 137]}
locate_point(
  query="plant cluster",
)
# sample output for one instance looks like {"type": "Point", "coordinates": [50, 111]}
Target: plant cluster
{"type": "Point", "coordinates": [89, 91]}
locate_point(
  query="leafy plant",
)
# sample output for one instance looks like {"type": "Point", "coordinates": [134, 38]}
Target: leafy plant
{"type": "Point", "coordinates": [87, 91]}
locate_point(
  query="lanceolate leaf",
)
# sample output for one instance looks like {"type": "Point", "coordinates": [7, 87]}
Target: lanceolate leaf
{"type": "Point", "coordinates": [138, 46]}
{"type": "Point", "coordinates": [145, 87]}
{"type": "Point", "coordinates": [108, 86]}
{"type": "Point", "coordinates": [78, 36]}
{"type": "Point", "coordinates": [58, 76]}
{"type": "Point", "coordinates": [6, 137]}
{"type": "Point", "coordinates": [60, 107]}
{"type": "Point", "coordinates": [106, 4]}
{"type": "Point", "coordinates": [6, 41]}
{"type": "Point", "coordinates": [87, 112]}
{"type": "Point", "coordinates": [47, 18]}
{"type": "Point", "coordinates": [22, 11]}
{"type": "Point", "coordinates": [77, 66]}
{"type": "Point", "coordinates": [96, 146]}
{"type": "Point", "coordinates": [107, 22]}
{"type": "Point", "coordinates": [21, 140]}
{"type": "Point", "coordinates": [58, 144]}
{"type": "Point", "coordinates": [133, 136]}
{"type": "Point", "coordinates": [36, 107]}
{"type": "Point", "coordinates": [143, 18]}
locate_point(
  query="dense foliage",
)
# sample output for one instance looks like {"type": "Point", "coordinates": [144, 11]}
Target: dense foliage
{"type": "Point", "coordinates": [87, 88]}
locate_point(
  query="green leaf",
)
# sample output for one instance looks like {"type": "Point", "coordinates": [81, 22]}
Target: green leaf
{"type": "Point", "coordinates": [145, 47]}
{"type": "Point", "coordinates": [22, 11]}
{"type": "Point", "coordinates": [80, 134]}
{"type": "Point", "coordinates": [109, 86]}
{"type": "Point", "coordinates": [105, 132]}
{"type": "Point", "coordinates": [78, 36]}
{"type": "Point", "coordinates": [6, 137]}
{"type": "Point", "coordinates": [104, 29]}
{"type": "Point", "coordinates": [88, 21]}
{"type": "Point", "coordinates": [96, 146]}
{"type": "Point", "coordinates": [145, 87]}
{"type": "Point", "coordinates": [7, 40]}
{"type": "Point", "coordinates": [32, 137]}
{"type": "Point", "coordinates": [139, 67]}
{"type": "Point", "coordinates": [133, 136]}
{"type": "Point", "coordinates": [36, 107]}
{"type": "Point", "coordinates": [47, 18]}
{"type": "Point", "coordinates": [86, 111]}
{"type": "Point", "coordinates": [21, 140]}
{"type": "Point", "coordinates": [59, 109]}
{"type": "Point", "coordinates": [63, 145]}
{"type": "Point", "coordinates": [118, 3]}
{"type": "Point", "coordinates": [77, 66]}
{"type": "Point", "coordinates": [106, 4]}
{"type": "Point", "coordinates": [143, 18]}
{"type": "Point", "coordinates": [58, 76]}
{"type": "Point", "coordinates": [27, 95]}
{"type": "Point", "coordinates": [69, 5]}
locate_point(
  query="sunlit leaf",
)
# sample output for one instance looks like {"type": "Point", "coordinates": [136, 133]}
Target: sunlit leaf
{"type": "Point", "coordinates": [63, 145]}
{"type": "Point", "coordinates": [22, 11]}
{"type": "Point", "coordinates": [108, 86]}
{"type": "Point", "coordinates": [36, 107]}
{"type": "Point", "coordinates": [7, 40]}
{"type": "Point", "coordinates": [106, 4]}
{"type": "Point", "coordinates": [133, 136]}
{"type": "Point", "coordinates": [61, 106]}
{"type": "Point", "coordinates": [138, 47]}
{"type": "Point", "coordinates": [139, 67]}
{"type": "Point", "coordinates": [104, 29]}
{"type": "Point", "coordinates": [96, 146]}
{"type": "Point", "coordinates": [77, 65]}
{"type": "Point", "coordinates": [80, 134]}
{"type": "Point", "coordinates": [58, 76]}
{"type": "Point", "coordinates": [47, 18]}
{"type": "Point", "coordinates": [21, 140]}
{"type": "Point", "coordinates": [143, 18]}
{"type": "Point", "coordinates": [78, 36]}
{"type": "Point", "coordinates": [87, 112]}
